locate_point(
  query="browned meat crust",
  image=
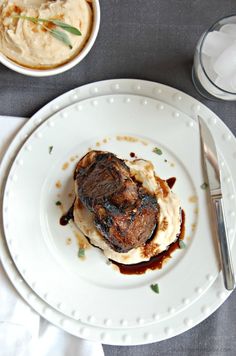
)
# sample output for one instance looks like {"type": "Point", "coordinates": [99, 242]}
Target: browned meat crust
{"type": "Point", "coordinates": [124, 212]}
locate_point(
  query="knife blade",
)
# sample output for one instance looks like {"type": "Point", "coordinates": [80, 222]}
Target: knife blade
{"type": "Point", "coordinates": [211, 164]}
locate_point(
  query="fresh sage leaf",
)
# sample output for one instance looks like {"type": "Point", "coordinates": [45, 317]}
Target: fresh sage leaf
{"type": "Point", "coordinates": [81, 252]}
{"type": "Point", "coordinates": [157, 150]}
{"type": "Point", "coordinates": [155, 288]}
{"type": "Point", "coordinates": [67, 27]}
{"type": "Point", "coordinates": [61, 36]}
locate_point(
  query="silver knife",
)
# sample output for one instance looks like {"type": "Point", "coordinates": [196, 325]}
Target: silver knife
{"type": "Point", "coordinates": [213, 173]}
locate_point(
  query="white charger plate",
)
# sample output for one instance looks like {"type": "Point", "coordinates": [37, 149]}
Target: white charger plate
{"type": "Point", "coordinates": [37, 242]}
{"type": "Point", "coordinates": [226, 136]}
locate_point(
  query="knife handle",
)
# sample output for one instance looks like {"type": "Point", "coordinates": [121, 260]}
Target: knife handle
{"type": "Point", "coordinates": [227, 266]}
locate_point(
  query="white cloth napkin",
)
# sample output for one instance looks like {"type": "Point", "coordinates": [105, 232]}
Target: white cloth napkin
{"type": "Point", "coordinates": [22, 331]}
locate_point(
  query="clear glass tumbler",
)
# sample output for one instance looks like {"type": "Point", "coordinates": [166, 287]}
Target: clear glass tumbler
{"type": "Point", "coordinates": [214, 68]}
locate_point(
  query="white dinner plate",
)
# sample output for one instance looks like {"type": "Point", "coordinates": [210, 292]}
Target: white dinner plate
{"type": "Point", "coordinates": [209, 277]}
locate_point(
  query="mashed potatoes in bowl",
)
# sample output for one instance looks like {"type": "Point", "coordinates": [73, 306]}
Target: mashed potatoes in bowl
{"type": "Point", "coordinates": [29, 40]}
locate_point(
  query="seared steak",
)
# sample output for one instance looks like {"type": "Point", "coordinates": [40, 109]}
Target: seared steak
{"type": "Point", "coordinates": [124, 212]}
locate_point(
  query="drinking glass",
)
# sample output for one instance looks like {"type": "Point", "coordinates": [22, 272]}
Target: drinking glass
{"type": "Point", "coordinates": [214, 67]}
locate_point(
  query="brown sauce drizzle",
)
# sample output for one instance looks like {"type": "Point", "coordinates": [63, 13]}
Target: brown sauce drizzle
{"type": "Point", "coordinates": [132, 155]}
{"type": "Point", "coordinates": [156, 262]}
{"type": "Point", "coordinates": [64, 220]}
{"type": "Point", "coordinates": [162, 183]}
{"type": "Point", "coordinates": [171, 182]}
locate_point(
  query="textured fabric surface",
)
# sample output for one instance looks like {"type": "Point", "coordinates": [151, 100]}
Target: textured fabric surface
{"type": "Point", "coordinates": [153, 40]}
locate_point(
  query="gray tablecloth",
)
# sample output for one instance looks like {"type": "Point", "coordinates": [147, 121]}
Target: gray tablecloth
{"type": "Point", "coordinates": [153, 40]}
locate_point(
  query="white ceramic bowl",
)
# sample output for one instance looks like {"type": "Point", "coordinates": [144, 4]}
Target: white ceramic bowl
{"type": "Point", "coordinates": [64, 67]}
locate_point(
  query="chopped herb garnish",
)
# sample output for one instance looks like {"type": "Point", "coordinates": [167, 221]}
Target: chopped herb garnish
{"type": "Point", "coordinates": [47, 24]}
{"type": "Point", "coordinates": [182, 244]}
{"type": "Point", "coordinates": [50, 148]}
{"type": "Point", "coordinates": [165, 160]}
{"type": "Point", "coordinates": [155, 288]}
{"type": "Point", "coordinates": [81, 252]}
{"type": "Point", "coordinates": [58, 203]}
{"type": "Point", "coordinates": [204, 185]}
{"type": "Point", "coordinates": [157, 150]}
